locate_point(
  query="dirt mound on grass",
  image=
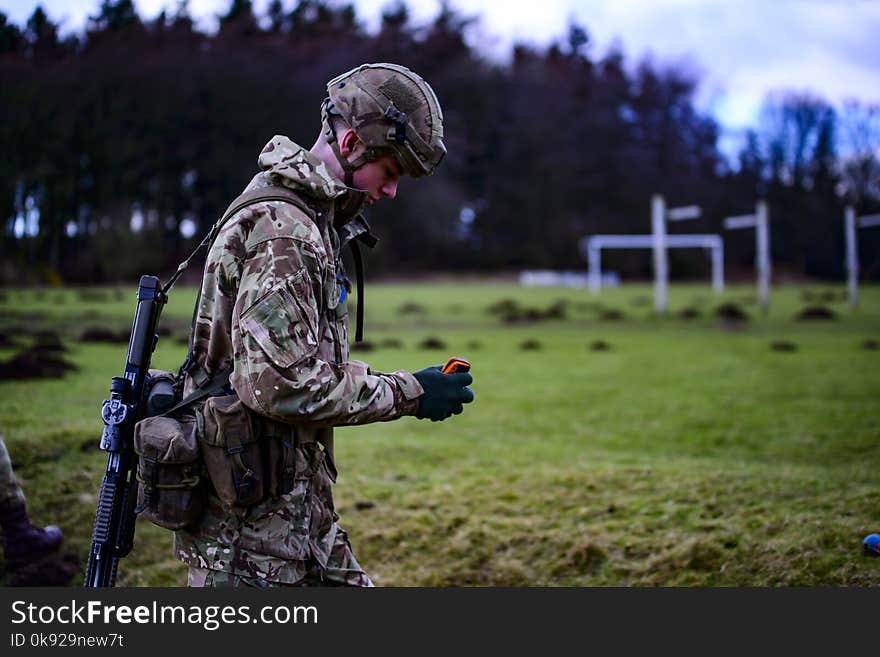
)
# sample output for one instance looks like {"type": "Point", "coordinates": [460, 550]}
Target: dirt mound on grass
{"type": "Point", "coordinates": [783, 345]}
{"type": "Point", "coordinates": [432, 343]}
{"type": "Point", "coordinates": [816, 312]}
{"type": "Point", "coordinates": [730, 312]}
{"type": "Point", "coordinates": [48, 342]}
{"type": "Point", "coordinates": [512, 312]}
{"type": "Point", "coordinates": [411, 308]}
{"type": "Point", "coordinates": [503, 307]}
{"type": "Point", "coordinates": [556, 310]}
{"type": "Point", "coordinates": [599, 345]}
{"type": "Point", "coordinates": [35, 364]}
{"type": "Point", "coordinates": [612, 315]}
{"type": "Point", "coordinates": [103, 334]}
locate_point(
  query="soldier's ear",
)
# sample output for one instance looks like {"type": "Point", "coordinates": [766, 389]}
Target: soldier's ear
{"type": "Point", "coordinates": [348, 142]}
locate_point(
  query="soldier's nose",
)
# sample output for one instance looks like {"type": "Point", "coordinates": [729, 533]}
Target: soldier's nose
{"type": "Point", "coordinates": [389, 190]}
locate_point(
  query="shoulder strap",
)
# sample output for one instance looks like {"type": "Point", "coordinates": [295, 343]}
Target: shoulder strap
{"type": "Point", "coordinates": [213, 387]}
{"type": "Point", "coordinates": [252, 197]}
{"type": "Point", "coordinates": [260, 195]}
{"type": "Point", "coordinates": [355, 231]}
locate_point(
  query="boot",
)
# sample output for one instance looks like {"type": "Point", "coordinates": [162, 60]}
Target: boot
{"type": "Point", "coordinates": [22, 542]}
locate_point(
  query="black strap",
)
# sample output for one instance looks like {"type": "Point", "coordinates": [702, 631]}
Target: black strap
{"type": "Point", "coordinates": [359, 275]}
{"type": "Point", "coordinates": [211, 388]}
{"type": "Point", "coordinates": [358, 230]}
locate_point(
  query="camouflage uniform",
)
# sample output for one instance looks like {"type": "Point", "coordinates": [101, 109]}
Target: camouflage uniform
{"type": "Point", "coordinates": [23, 543]}
{"type": "Point", "coordinates": [272, 307]}
{"type": "Point", "coordinates": [10, 489]}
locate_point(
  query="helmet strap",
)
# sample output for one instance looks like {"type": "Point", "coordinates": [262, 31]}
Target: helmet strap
{"type": "Point", "coordinates": [348, 168]}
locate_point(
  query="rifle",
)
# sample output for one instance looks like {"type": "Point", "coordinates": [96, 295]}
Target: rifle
{"type": "Point", "coordinates": [113, 532]}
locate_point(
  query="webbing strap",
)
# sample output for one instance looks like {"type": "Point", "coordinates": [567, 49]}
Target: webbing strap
{"type": "Point", "coordinates": [215, 385]}
{"type": "Point", "coordinates": [358, 230]}
{"type": "Point", "coordinates": [270, 193]}
{"type": "Point", "coordinates": [359, 275]}
{"type": "Point", "coordinates": [259, 195]}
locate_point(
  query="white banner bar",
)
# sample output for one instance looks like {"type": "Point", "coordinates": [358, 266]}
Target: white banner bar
{"type": "Point", "coordinates": [643, 241]}
{"type": "Point", "coordinates": [869, 220]}
{"type": "Point", "coordinates": [740, 221]}
{"type": "Point", "coordinates": [684, 212]}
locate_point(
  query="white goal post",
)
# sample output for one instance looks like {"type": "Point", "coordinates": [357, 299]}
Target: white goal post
{"type": "Point", "coordinates": [592, 247]}
{"type": "Point", "coordinates": [658, 241]}
{"type": "Point", "coordinates": [760, 222]}
{"type": "Point", "coordinates": [851, 222]}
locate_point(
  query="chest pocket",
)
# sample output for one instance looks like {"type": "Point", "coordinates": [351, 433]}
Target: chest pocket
{"type": "Point", "coordinates": [284, 322]}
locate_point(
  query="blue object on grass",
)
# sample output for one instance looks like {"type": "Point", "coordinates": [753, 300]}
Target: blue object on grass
{"type": "Point", "coordinates": [871, 545]}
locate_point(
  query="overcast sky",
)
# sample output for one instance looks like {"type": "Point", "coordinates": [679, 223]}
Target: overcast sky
{"type": "Point", "coordinates": [741, 48]}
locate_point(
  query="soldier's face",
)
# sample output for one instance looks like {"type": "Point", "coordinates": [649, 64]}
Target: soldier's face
{"type": "Point", "coordinates": [379, 178]}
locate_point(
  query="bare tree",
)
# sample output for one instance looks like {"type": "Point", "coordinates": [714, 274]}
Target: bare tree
{"type": "Point", "coordinates": [859, 164]}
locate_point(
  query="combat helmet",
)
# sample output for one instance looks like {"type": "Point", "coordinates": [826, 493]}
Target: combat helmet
{"type": "Point", "coordinates": [390, 108]}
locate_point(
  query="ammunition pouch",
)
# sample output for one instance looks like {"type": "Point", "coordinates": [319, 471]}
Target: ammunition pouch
{"type": "Point", "coordinates": [232, 451]}
{"type": "Point", "coordinates": [280, 443]}
{"type": "Point", "coordinates": [170, 474]}
{"type": "Point", "coordinates": [247, 458]}
{"type": "Point", "coordinates": [189, 447]}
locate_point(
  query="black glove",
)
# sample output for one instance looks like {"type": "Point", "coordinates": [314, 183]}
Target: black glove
{"type": "Point", "coordinates": [444, 393]}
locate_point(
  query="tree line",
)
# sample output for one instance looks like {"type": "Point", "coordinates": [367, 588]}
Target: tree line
{"type": "Point", "coordinates": [124, 143]}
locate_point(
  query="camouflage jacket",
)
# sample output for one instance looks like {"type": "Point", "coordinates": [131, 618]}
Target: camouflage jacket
{"type": "Point", "coordinates": [272, 308]}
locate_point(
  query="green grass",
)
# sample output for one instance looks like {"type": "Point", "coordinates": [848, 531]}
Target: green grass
{"type": "Point", "coordinates": [689, 453]}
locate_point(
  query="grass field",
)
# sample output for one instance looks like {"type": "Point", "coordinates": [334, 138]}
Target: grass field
{"type": "Point", "coordinates": [687, 452]}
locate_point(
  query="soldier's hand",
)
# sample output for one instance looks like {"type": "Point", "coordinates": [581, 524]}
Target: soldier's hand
{"type": "Point", "coordinates": [444, 393]}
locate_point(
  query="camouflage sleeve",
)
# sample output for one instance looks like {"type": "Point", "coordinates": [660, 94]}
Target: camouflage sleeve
{"type": "Point", "coordinates": [285, 366]}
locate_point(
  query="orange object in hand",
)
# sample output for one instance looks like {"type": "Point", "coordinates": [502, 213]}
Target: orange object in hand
{"type": "Point", "coordinates": [455, 365]}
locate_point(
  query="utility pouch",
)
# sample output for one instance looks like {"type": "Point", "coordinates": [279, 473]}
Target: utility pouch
{"type": "Point", "coordinates": [280, 444]}
{"type": "Point", "coordinates": [171, 493]}
{"type": "Point", "coordinates": [232, 451]}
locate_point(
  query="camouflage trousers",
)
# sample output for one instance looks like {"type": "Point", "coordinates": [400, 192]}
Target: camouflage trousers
{"type": "Point", "coordinates": [342, 570]}
{"type": "Point", "coordinates": [10, 490]}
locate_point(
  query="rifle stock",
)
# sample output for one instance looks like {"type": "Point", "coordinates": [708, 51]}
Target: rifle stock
{"type": "Point", "coordinates": [113, 532]}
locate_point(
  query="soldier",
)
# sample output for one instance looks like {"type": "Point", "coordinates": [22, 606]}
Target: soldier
{"type": "Point", "coordinates": [22, 542]}
{"type": "Point", "coordinates": [273, 310]}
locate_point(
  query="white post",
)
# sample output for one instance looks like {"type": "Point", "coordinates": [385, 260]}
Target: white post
{"type": "Point", "coordinates": [718, 269]}
{"type": "Point", "coordinates": [763, 254]}
{"type": "Point", "coordinates": [661, 271]}
{"type": "Point", "coordinates": [594, 257]}
{"type": "Point", "coordinates": [852, 255]}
